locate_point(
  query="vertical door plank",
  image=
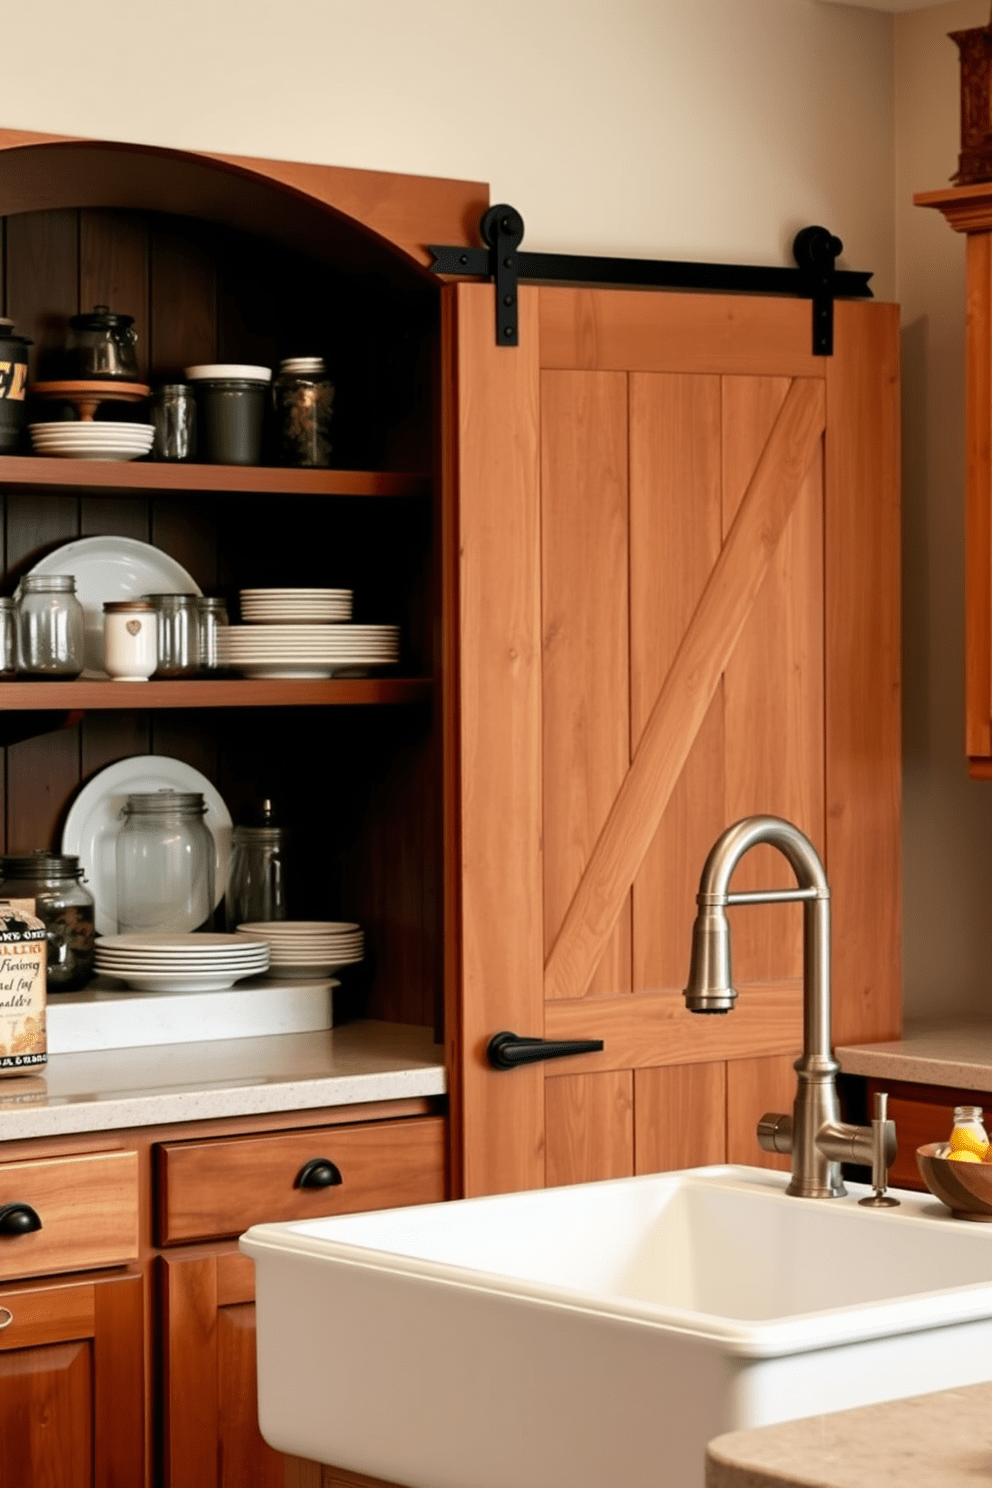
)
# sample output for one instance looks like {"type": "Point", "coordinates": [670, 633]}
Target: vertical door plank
{"type": "Point", "coordinates": [773, 688]}
{"type": "Point", "coordinates": [675, 530]}
{"type": "Point", "coordinates": [585, 610]}
{"type": "Point", "coordinates": [119, 1379]}
{"type": "Point", "coordinates": [247, 1460]}
{"type": "Point", "coordinates": [863, 708]}
{"type": "Point", "coordinates": [680, 1116]}
{"type": "Point", "coordinates": [978, 436]}
{"type": "Point", "coordinates": [493, 425]}
{"type": "Point", "coordinates": [47, 1415]}
{"type": "Point", "coordinates": [754, 1087]}
{"type": "Point", "coordinates": [590, 1127]}
{"type": "Point", "coordinates": [189, 1390]}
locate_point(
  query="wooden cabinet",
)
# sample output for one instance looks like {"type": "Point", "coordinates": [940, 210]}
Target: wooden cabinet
{"type": "Point", "coordinates": [142, 1371]}
{"type": "Point", "coordinates": [922, 1113]}
{"type": "Point", "coordinates": [72, 1383]}
{"type": "Point", "coordinates": [968, 209]}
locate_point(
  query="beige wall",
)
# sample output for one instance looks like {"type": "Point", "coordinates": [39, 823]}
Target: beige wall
{"type": "Point", "coordinates": [693, 128]}
{"type": "Point", "coordinates": [709, 128]}
{"type": "Point", "coordinates": [947, 818]}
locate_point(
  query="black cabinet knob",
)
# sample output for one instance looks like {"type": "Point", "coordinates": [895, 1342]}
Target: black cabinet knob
{"type": "Point", "coordinates": [18, 1219]}
{"type": "Point", "coordinates": [319, 1172]}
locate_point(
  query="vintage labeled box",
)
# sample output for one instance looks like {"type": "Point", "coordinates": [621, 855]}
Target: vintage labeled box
{"type": "Point", "coordinates": [23, 964]}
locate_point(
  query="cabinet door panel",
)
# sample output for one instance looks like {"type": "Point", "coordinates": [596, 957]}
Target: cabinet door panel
{"type": "Point", "coordinates": [72, 1391]}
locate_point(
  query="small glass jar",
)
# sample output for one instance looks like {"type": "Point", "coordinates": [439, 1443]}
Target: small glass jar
{"type": "Point", "coordinates": [130, 639]}
{"type": "Point", "coordinates": [178, 634]}
{"type": "Point", "coordinates": [970, 1118]}
{"type": "Point", "coordinates": [213, 617]}
{"type": "Point", "coordinates": [256, 886]}
{"type": "Point", "coordinates": [174, 422]}
{"type": "Point", "coordinates": [165, 864]}
{"type": "Point", "coordinates": [65, 907]}
{"type": "Point", "coordinates": [49, 627]}
{"type": "Point", "coordinates": [8, 638]}
{"type": "Point", "coordinates": [303, 401]}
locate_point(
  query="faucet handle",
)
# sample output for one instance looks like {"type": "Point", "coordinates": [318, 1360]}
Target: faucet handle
{"type": "Point", "coordinates": [883, 1148]}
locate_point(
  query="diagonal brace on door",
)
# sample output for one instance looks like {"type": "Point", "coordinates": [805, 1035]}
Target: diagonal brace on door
{"type": "Point", "coordinates": [688, 690]}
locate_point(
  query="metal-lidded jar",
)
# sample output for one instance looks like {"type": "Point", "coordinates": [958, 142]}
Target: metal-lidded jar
{"type": "Point", "coordinates": [178, 634]}
{"type": "Point", "coordinates": [63, 903]}
{"type": "Point", "coordinates": [130, 639]}
{"type": "Point", "coordinates": [102, 344]}
{"type": "Point", "coordinates": [13, 385]}
{"type": "Point", "coordinates": [303, 403]}
{"type": "Point", "coordinates": [50, 627]}
{"type": "Point", "coordinates": [213, 618]}
{"type": "Point", "coordinates": [165, 863]}
{"type": "Point", "coordinates": [256, 875]}
{"type": "Point", "coordinates": [174, 422]}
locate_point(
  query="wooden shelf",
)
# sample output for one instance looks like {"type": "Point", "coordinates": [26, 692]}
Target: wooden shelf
{"type": "Point", "coordinates": [35, 472]}
{"type": "Point", "coordinates": [224, 693]}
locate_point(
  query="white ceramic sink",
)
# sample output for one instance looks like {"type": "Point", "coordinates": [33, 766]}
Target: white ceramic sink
{"type": "Point", "coordinates": [601, 1335]}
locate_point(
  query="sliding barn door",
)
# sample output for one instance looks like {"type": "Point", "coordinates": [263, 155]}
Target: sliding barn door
{"type": "Point", "coordinates": [672, 559]}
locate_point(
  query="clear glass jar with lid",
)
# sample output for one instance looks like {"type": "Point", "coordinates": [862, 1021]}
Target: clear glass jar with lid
{"type": "Point", "coordinates": [49, 625]}
{"type": "Point", "coordinates": [971, 1119]}
{"type": "Point", "coordinates": [303, 403]}
{"type": "Point", "coordinates": [256, 881]}
{"type": "Point", "coordinates": [212, 612]}
{"type": "Point", "coordinates": [165, 864]}
{"type": "Point", "coordinates": [63, 903]}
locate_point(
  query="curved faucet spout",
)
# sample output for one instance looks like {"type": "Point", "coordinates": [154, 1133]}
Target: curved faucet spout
{"type": "Point", "coordinates": [814, 1134]}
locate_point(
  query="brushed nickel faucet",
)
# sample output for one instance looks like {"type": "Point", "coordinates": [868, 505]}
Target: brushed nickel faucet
{"type": "Point", "coordinates": [814, 1134]}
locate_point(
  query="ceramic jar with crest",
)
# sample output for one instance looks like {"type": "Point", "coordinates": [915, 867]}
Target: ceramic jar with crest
{"type": "Point", "coordinates": [130, 639]}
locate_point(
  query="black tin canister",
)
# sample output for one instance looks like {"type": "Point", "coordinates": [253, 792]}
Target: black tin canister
{"type": "Point", "coordinates": [13, 386]}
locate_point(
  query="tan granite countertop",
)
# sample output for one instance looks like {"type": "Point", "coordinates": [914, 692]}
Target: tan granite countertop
{"type": "Point", "coordinates": [113, 1088]}
{"type": "Point", "coordinates": [930, 1441]}
{"type": "Point", "coordinates": [957, 1053]}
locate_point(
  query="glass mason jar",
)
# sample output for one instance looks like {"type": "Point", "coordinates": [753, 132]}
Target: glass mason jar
{"type": "Point", "coordinates": [212, 617]}
{"type": "Point", "coordinates": [65, 907]}
{"type": "Point", "coordinates": [165, 864]}
{"type": "Point", "coordinates": [303, 401]}
{"type": "Point", "coordinates": [178, 634]}
{"type": "Point", "coordinates": [8, 638]}
{"type": "Point", "coordinates": [256, 888]}
{"type": "Point", "coordinates": [49, 624]}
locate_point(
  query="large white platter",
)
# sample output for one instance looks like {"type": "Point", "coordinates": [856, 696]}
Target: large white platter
{"type": "Point", "coordinates": [107, 568]}
{"type": "Point", "coordinates": [94, 820]}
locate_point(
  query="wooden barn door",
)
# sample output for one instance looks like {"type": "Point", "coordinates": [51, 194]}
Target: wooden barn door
{"type": "Point", "coordinates": [676, 590]}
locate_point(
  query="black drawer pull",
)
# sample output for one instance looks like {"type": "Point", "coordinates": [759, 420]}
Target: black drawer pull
{"type": "Point", "coordinates": [18, 1219]}
{"type": "Point", "coordinates": [507, 1050]}
{"type": "Point", "coordinates": [319, 1172]}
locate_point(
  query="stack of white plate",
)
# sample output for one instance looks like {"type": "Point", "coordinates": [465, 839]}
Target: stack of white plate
{"type": "Point", "coordinates": [198, 962]}
{"type": "Point", "coordinates": [92, 441]}
{"type": "Point", "coordinates": [308, 947]}
{"type": "Point", "coordinates": [307, 650]}
{"type": "Point", "coordinates": [295, 606]}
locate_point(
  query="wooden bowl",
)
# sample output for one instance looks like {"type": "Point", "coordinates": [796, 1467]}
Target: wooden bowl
{"type": "Point", "coordinates": [966, 1188]}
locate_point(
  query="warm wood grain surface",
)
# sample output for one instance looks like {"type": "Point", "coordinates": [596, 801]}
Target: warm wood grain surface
{"type": "Point", "coordinates": [88, 1207]}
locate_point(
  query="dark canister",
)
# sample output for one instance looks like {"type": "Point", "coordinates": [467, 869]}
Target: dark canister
{"type": "Point", "coordinates": [303, 406]}
{"type": "Point", "coordinates": [102, 344]}
{"type": "Point", "coordinates": [13, 384]}
{"type": "Point", "coordinates": [230, 412]}
{"type": "Point", "coordinates": [65, 907]}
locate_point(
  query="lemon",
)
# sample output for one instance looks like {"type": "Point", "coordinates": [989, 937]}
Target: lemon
{"type": "Point", "coordinates": [962, 1156]}
{"type": "Point", "coordinates": [963, 1140]}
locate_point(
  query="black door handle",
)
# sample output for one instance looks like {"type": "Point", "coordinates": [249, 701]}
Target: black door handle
{"type": "Point", "coordinates": [319, 1172]}
{"type": "Point", "coordinates": [507, 1050]}
{"type": "Point", "coordinates": [18, 1219]}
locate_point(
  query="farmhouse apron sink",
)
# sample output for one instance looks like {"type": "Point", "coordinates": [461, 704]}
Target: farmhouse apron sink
{"type": "Point", "coordinates": [602, 1334]}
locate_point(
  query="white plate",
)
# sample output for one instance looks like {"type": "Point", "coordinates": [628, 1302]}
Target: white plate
{"type": "Point", "coordinates": [300, 671]}
{"type": "Point", "coordinates": [179, 982]}
{"type": "Point", "coordinates": [298, 927]}
{"type": "Point", "coordinates": [197, 941]}
{"type": "Point", "coordinates": [113, 568]}
{"type": "Point", "coordinates": [91, 452]}
{"type": "Point", "coordinates": [278, 594]}
{"type": "Point", "coordinates": [93, 822]}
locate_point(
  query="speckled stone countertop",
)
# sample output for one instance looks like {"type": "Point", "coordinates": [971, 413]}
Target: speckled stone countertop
{"type": "Point", "coordinates": [950, 1053]}
{"type": "Point", "coordinates": [930, 1441]}
{"type": "Point", "coordinates": [356, 1062]}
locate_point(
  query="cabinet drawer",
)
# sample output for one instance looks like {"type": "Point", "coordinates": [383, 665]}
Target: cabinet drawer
{"type": "Point", "coordinates": [88, 1208]}
{"type": "Point", "coordinates": [210, 1190]}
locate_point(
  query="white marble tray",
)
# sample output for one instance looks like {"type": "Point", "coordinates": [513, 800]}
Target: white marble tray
{"type": "Point", "coordinates": [107, 1016]}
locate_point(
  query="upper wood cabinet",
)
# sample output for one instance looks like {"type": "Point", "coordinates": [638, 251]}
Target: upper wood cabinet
{"type": "Point", "coordinates": [968, 209]}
